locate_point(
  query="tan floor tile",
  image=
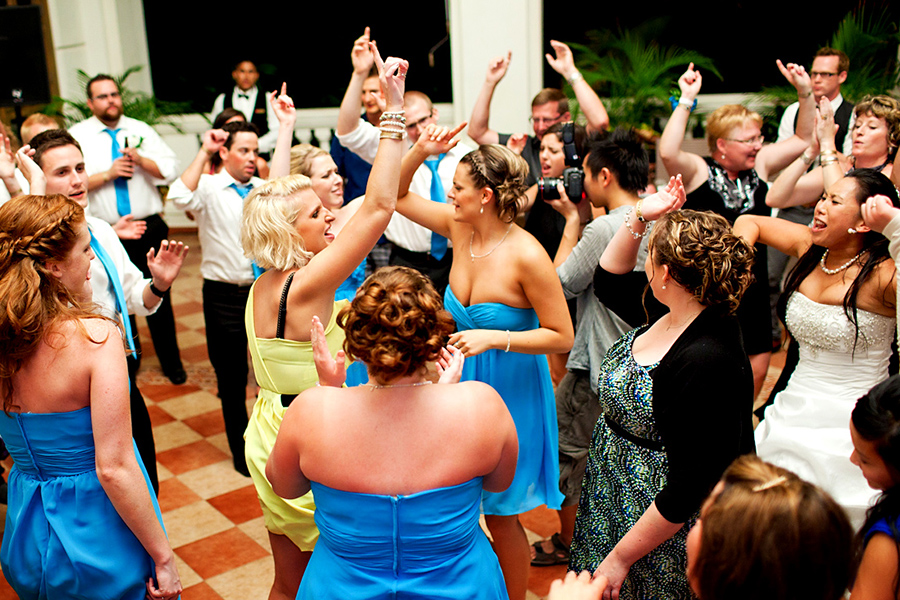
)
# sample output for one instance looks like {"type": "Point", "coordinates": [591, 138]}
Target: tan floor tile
{"type": "Point", "coordinates": [194, 522]}
{"type": "Point", "coordinates": [195, 321]}
{"type": "Point", "coordinates": [257, 531]}
{"type": "Point", "coordinates": [253, 580]}
{"type": "Point", "coordinates": [163, 473]}
{"type": "Point", "coordinates": [174, 494]}
{"type": "Point", "coordinates": [221, 552]}
{"type": "Point", "coordinates": [191, 405]}
{"type": "Point", "coordinates": [157, 415]}
{"type": "Point", "coordinates": [174, 434]}
{"type": "Point", "coordinates": [220, 441]}
{"type": "Point", "coordinates": [214, 480]}
{"type": "Point", "coordinates": [188, 576]}
{"type": "Point", "coordinates": [191, 338]}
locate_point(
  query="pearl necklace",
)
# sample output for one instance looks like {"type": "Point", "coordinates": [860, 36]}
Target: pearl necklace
{"type": "Point", "coordinates": [840, 268]}
{"type": "Point", "coordinates": [473, 256]}
{"type": "Point", "coordinates": [375, 386]}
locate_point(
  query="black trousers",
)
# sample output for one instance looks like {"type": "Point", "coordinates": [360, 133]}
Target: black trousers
{"type": "Point", "coordinates": [141, 428]}
{"type": "Point", "coordinates": [162, 323]}
{"type": "Point", "coordinates": [226, 342]}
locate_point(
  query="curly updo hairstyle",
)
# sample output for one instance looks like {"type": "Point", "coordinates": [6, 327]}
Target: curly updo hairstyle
{"type": "Point", "coordinates": [396, 323]}
{"type": "Point", "coordinates": [703, 256]}
{"type": "Point", "coordinates": [769, 534]}
{"type": "Point", "coordinates": [505, 172]}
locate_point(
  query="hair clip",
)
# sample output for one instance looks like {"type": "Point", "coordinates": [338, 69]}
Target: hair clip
{"type": "Point", "coordinates": [769, 484]}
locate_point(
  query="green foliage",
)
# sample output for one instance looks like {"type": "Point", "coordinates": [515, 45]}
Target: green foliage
{"type": "Point", "coordinates": [136, 105]}
{"type": "Point", "coordinates": [633, 73]}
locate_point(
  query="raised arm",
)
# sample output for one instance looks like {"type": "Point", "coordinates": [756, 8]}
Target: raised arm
{"type": "Point", "coordinates": [691, 166]}
{"type": "Point", "coordinates": [212, 141]}
{"type": "Point", "coordinates": [8, 167]}
{"type": "Point", "coordinates": [576, 216]}
{"type": "Point", "coordinates": [775, 157]}
{"type": "Point", "coordinates": [620, 255]}
{"type": "Point", "coordinates": [588, 100]}
{"type": "Point", "coordinates": [479, 130]}
{"type": "Point", "coordinates": [434, 140]}
{"type": "Point", "coordinates": [117, 468]}
{"type": "Point", "coordinates": [363, 60]}
{"type": "Point", "coordinates": [283, 107]}
{"type": "Point", "coordinates": [792, 239]}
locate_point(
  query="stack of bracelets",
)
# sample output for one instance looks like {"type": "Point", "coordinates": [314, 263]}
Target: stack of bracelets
{"type": "Point", "coordinates": [393, 125]}
{"type": "Point", "coordinates": [828, 157]}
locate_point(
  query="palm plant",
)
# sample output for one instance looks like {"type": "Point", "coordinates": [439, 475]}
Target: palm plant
{"type": "Point", "coordinates": [633, 74]}
{"type": "Point", "coordinates": [137, 105]}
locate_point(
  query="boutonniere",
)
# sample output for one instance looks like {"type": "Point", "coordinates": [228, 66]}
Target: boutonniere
{"type": "Point", "coordinates": [133, 141]}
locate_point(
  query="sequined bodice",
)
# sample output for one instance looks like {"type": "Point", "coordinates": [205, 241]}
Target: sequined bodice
{"type": "Point", "coordinates": [825, 327]}
{"type": "Point", "coordinates": [626, 390]}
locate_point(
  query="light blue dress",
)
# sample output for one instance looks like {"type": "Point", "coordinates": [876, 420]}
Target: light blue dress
{"type": "Point", "coordinates": [356, 372]}
{"type": "Point", "coordinates": [426, 545]}
{"type": "Point", "coordinates": [63, 537]}
{"type": "Point", "coordinates": [523, 381]}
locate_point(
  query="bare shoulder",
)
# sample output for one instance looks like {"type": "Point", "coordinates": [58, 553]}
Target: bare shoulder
{"type": "Point", "coordinates": [527, 249]}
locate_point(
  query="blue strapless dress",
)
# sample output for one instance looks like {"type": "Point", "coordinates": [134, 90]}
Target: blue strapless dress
{"type": "Point", "coordinates": [356, 372]}
{"type": "Point", "coordinates": [425, 545]}
{"type": "Point", "coordinates": [63, 537]}
{"type": "Point", "coordinates": [523, 381]}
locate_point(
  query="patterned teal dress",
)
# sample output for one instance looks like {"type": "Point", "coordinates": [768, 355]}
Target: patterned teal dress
{"type": "Point", "coordinates": [627, 467]}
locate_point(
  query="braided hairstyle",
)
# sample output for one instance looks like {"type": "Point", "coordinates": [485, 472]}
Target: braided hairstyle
{"type": "Point", "coordinates": [34, 230]}
{"type": "Point", "coordinates": [505, 172]}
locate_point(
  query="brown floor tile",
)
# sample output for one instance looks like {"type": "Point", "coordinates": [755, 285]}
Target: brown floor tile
{"type": "Point", "coordinates": [6, 591]}
{"type": "Point", "coordinates": [541, 520]}
{"type": "Point", "coordinates": [191, 456]}
{"type": "Point", "coordinates": [201, 591]}
{"type": "Point", "coordinates": [240, 505]}
{"type": "Point", "coordinates": [195, 354]}
{"type": "Point", "coordinates": [207, 424]}
{"type": "Point", "coordinates": [221, 552]}
{"type": "Point", "coordinates": [174, 494]}
{"type": "Point", "coordinates": [540, 578]}
{"type": "Point", "coordinates": [157, 415]}
{"type": "Point", "coordinates": [160, 392]}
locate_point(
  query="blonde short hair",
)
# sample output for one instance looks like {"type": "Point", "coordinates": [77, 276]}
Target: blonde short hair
{"type": "Point", "coordinates": [724, 119]}
{"type": "Point", "coordinates": [268, 235]}
{"type": "Point", "coordinates": [302, 156]}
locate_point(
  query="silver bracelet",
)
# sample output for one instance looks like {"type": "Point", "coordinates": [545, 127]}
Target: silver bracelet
{"type": "Point", "coordinates": [635, 235]}
{"type": "Point", "coordinates": [574, 78]}
{"type": "Point", "coordinates": [507, 341]}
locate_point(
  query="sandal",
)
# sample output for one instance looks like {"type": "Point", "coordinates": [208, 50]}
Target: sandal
{"type": "Point", "coordinates": [559, 555]}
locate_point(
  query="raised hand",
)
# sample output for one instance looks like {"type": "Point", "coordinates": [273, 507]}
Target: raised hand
{"type": "Point", "coordinates": [796, 76]}
{"type": "Point", "coordinates": [392, 75]}
{"type": "Point", "coordinates": [127, 228]}
{"type": "Point", "coordinates": [690, 83]}
{"type": "Point", "coordinates": [564, 62]}
{"type": "Point", "coordinates": [667, 200]}
{"type": "Point", "coordinates": [450, 364]}
{"type": "Point", "coordinates": [213, 140]}
{"type": "Point", "coordinates": [361, 56]}
{"type": "Point", "coordinates": [438, 139]}
{"type": "Point", "coordinates": [37, 181]}
{"type": "Point", "coordinates": [332, 371]}
{"type": "Point", "coordinates": [516, 142]}
{"type": "Point", "coordinates": [282, 105]}
{"type": "Point", "coordinates": [878, 211]}
{"type": "Point", "coordinates": [497, 68]}
{"type": "Point", "coordinates": [826, 128]}
{"type": "Point", "coordinates": [7, 158]}
{"type": "Point", "coordinates": [165, 265]}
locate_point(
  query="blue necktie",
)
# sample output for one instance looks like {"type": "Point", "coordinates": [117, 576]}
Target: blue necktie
{"type": "Point", "coordinates": [123, 200]}
{"type": "Point", "coordinates": [116, 284]}
{"type": "Point", "coordinates": [243, 190]}
{"type": "Point", "coordinates": [438, 242]}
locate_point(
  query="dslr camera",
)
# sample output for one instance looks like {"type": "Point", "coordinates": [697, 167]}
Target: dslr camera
{"type": "Point", "coordinates": [572, 178]}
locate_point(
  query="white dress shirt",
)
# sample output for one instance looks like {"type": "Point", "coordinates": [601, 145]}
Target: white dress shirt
{"type": "Point", "coordinates": [96, 145]}
{"type": "Point", "coordinates": [245, 101]}
{"type": "Point", "coordinates": [219, 210]}
{"type": "Point", "coordinates": [786, 127]}
{"type": "Point", "coordinates": [364, 141]}
{"type": "Point", "coordinates": [131, 278]}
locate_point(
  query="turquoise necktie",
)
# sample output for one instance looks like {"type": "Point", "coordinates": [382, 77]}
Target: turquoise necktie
{"type": "Point", "coordinates": [116, 284]}
{"type": "Point", "coordinates": [123, 200]}
{"type": "Point", "coordinates": [243, 190]}
{"type": "Point", "coordinates": [438, 242]}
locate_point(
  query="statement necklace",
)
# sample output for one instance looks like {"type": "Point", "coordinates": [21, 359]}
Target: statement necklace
{"type": "Point", "coordinates": [840, 268]}
{"type": "Point", "coordinates": [375, 386]}
{"type": "Point", "coordinates": [473, 256]}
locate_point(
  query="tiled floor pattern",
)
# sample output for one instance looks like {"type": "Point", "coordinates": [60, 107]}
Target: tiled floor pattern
{"type": "Point", "coordinates": [211, 513]}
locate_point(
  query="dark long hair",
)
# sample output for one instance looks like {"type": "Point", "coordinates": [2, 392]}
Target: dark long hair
{"type": "Point", "coordinates": [869, 182]}
{"type": "Point", "coordinates": [876, 418]}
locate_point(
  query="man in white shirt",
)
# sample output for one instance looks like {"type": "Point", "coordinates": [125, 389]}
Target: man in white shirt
{"type": "Point", "coordinates": [247, 98]}
{"type": "Point", "coordinates": [414, 246]}
{"type": "Point", "coordinates": [125, 160]}
{"type": "Point", "coordinates": [59, 168]}
{"type": "Point", "coordinates": [217, 201]}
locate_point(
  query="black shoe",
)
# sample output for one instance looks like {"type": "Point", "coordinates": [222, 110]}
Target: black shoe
{"type": "Point", "coordinates": [242, 468]}
{"type": "Point", "coordinates": [177, 377]}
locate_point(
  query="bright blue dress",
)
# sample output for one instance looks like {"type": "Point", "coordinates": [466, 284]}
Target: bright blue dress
{"type": "Point", "coordinates": [523, 381]}
{"type": "Point", "coordinates": [356, 372]}
{"type": "Point", "coordinates": [63, 537]}
{"type": "Point", "coordinates": [427, 545]}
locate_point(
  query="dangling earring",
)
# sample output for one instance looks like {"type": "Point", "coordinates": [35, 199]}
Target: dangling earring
{"type": "Point", "coordinates": [482, 209]}
{"type": "Point", "coordinates": [851, 231]}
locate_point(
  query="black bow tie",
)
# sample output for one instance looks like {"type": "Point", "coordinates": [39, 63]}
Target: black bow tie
{"type": "Point", "coordinates": [245, 96]}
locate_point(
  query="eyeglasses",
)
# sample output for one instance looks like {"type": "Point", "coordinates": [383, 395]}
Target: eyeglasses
{"type": "Point", "coordinates": [823, 74]}
{"type": "Point", "coordinates": [544, 121]}
{"type": "Point", "coordinates": [419, 123]}
{"type": "Point", "coordinates": [759, 139]}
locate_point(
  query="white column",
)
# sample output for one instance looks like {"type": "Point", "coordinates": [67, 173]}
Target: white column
{"type": "Point", "coordinates": [482, 30]}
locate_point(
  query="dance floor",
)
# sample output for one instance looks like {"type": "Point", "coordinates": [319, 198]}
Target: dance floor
{"type": "Point", "coordinates": [211, 512]}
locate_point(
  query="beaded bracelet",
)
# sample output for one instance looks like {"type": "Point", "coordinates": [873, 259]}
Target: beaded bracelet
{"type": "Point", "coordinates": [637, 211]}
{"type": "Point", "coordinates": [634, 234]}
{"type": "Point", "coordinates": [574, 78]}
{"type": "Point", "coordinates": [688, 106]}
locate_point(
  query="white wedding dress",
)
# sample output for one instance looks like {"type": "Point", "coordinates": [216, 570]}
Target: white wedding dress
{"type": "Point", "coordinates": [807, 428]}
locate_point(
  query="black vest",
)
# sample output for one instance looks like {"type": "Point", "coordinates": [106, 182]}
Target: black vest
{"type": "Point", "coordinates": [259, 111]}
{"type": "Point", "coordinates": [842, 120]}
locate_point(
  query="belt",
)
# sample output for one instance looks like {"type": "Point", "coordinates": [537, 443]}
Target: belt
{"type": "Point", "coordinates": [639, 441]}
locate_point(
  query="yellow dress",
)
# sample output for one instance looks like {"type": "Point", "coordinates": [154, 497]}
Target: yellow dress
{"type": "Point", "coordinates": [282, 367]}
